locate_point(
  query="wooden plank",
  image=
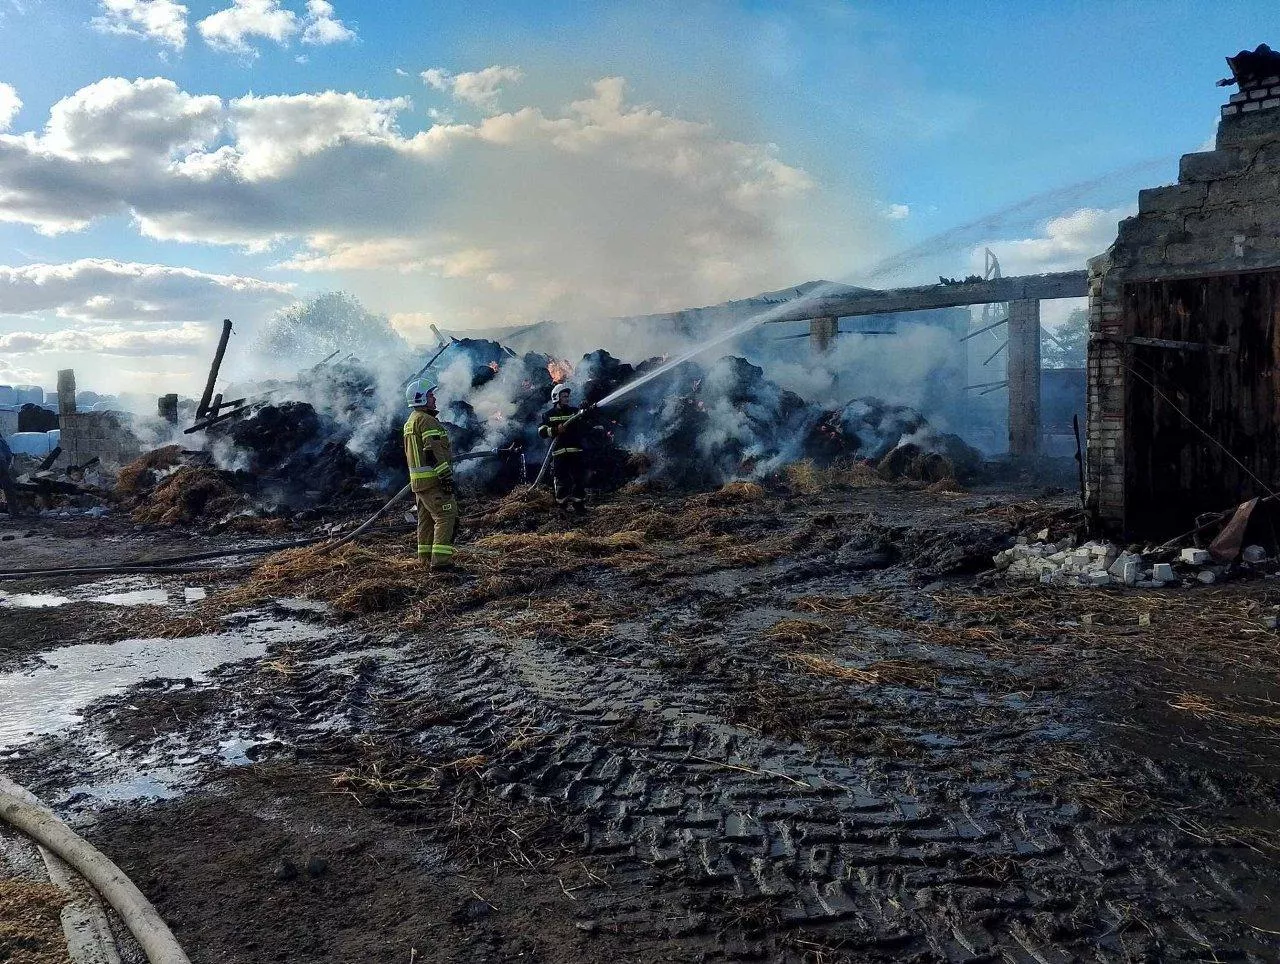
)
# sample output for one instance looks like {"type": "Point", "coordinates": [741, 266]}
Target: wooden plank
{"type": "Point", "coordinates": [1036, 287]}
{"type": "Point", "coordinates": [1177, 345]}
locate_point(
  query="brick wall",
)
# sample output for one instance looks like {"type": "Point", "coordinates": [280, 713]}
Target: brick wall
{"type": "Point", "coordinates": [103, 434]}
{"type": "Point", "coordinates": [1220, 218]}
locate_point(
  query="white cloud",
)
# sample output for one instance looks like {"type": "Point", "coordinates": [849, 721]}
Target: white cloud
{"type": "Point", "coordinates": [480, 88]}
{"type": "Point", "coordinates": [600, 208]}
{"type": "Point", "coordinates": [164, 21]}
{"type": "Point", "coordinates": [230, 29]}
{"type": "Point", "coordinates": [897, 212]}
{"type": "Point", "coordinates": [117, 119]}
{"type": "Point", "coordinates": [12, 374]}
{"type": "Point", "coordinates": [322, 27]}
{"type": "Point", "coordinates": [116, 340]}
{"type": "Point", "coordinates": [10, 104]}
{"type": "Point", "coordinates": [1067, 242]}
{"type": "Point", "coordinates": [101, 290]}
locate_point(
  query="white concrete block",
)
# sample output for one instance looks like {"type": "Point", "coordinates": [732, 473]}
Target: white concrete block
{"type": "Point", "coordinates": [1195, 557]}
{"type": "Point", "coordinates": [1099, 578]}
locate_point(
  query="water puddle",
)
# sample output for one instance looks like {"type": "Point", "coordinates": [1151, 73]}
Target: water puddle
{"type": "Point", "coordinates": [110, 592]}
{"type": "Point", "coordinates": [50, 698]}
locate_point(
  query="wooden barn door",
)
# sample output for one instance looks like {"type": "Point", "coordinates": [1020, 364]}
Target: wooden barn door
{"type": "Point", "coordinates": [1172, 471]}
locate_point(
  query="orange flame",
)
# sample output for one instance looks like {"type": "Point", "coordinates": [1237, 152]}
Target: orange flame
{"type": "Point", "coordinates": [493, 365]}
{"type": "Point", "coordinates": [559, 370]}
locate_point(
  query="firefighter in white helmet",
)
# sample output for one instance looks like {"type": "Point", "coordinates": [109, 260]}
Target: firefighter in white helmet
{"type": "Point", "coordinates": [427, 452]}
{"type": "Point", "coordinates": [566, 426]}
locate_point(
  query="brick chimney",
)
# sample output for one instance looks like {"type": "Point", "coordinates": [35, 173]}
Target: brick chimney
{"type": "Point", "coordinates": [1257, 72]}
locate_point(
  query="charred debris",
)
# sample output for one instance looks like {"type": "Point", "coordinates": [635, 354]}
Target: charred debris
{"type": "Point", "coordinates": [330, 440]}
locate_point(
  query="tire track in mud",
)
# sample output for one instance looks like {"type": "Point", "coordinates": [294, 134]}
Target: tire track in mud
{"type": "Point", "coordinates": [884, 858]}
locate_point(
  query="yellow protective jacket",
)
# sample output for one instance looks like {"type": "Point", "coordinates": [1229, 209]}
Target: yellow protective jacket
{"type": "Point", "coordinates": [427, 452]}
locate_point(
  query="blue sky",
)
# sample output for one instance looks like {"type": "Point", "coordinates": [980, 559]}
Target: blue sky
{"type": "Point", "coordinates": [753, 145]}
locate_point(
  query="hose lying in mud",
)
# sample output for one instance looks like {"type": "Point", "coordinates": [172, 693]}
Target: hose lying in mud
{"type": "Point", "coordinates": [177, 563]}
{"type": "Point", "coordinates": [44, 827]}
{"type": "Point", "coordinates": [368, 522]}
{"type": "Point", "coordinates": [165, 564]}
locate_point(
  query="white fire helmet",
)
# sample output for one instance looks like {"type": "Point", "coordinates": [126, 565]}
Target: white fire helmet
{"type": "Point", "coordinates": [416, 392]}
{"type": "Point", "coordinates": [558, 390]}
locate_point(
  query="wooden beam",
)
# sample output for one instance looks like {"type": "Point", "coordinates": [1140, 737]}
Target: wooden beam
{"type": "Point", "coordinates": [1035, 287]}
{"type": "Point", "coordinates": [1024, 378]}
{"type": "Point", "coordinates": [1177, 345]}
{"type": "Point", "coordinates": [823, 331]}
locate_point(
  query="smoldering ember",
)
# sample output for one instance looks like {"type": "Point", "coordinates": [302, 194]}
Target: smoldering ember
{"type": "Point", "coordinates": [831, 624]}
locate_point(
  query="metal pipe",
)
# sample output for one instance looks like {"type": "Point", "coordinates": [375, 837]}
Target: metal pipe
{"type": "Point", "coordinates": [986, 328]}
{"type": "Point", "coordinates": [1003, 345]}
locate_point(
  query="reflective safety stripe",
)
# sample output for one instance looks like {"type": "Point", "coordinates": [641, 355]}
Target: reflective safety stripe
{"type": "Point", "coordinates": [424, 550]}
{"type": "Point", "coordinates": [561, 418]}
{"type": "Point", "coordinates": [439, 472]}
{"type": "Point", "coordinates": [566, 451]}
{"type": "Point", "coordinates": [435, 433]}
{"type": "Point", "coordinates": [442, 550]}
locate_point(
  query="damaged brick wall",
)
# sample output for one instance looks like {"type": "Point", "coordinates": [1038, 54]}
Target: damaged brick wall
{"type": "Point", "coordinates": [105, 435]}
{"type": "Point", "coordinates": [1220, 220]}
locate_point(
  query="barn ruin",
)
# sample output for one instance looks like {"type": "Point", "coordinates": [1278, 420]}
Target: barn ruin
{"type": "Point", "coordinates": [1184, 317]}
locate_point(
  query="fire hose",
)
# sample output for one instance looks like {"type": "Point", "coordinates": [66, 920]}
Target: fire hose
{"type": "Point", "coordinates": [551, 448]}
{"type": "Point", "coordinates": [170, 563]}
{"type": "Point", "coordinates": [395, 499]}
{"type": "Point", "coordinates": [43, 826]}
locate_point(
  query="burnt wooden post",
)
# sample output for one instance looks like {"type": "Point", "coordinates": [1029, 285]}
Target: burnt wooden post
{"type": "Point", "coordinates": [203, 408]}
{"type": "Point", "coordinates": [1024, 377]}
{"type": "Point", "coordinates": [822, 331]}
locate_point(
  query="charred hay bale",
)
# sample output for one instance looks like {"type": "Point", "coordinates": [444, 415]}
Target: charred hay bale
{"type": "Point", "coordinates": [274, 432]}
{"type": "Point", "coordinates": [910, 461]}
{"type": "Point", "coordinates": [190, 494]}
{"type": "Point", "coordinates": [141, 475]}
{"type": "Point", "coordinates": [599, 374]}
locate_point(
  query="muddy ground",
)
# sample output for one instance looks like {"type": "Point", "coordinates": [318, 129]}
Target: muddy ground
{"type": "Point", "coordinates": [784, 727]}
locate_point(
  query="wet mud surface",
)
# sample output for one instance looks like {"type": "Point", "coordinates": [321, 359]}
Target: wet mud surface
{"type": "Point", "coordinates": [849, 751]}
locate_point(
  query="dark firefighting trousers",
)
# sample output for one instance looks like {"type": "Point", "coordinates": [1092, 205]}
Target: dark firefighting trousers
{"type": "Point", "coordinates": [569, 472]}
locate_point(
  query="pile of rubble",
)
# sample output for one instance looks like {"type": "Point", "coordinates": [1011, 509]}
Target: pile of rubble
{"type": "Point", "coordinates": [1099, 564]}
